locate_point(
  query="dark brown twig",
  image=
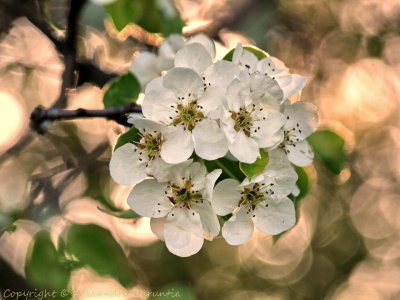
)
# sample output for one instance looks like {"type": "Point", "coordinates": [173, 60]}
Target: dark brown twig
{"type": "Point", "coordinates": [41, 117]}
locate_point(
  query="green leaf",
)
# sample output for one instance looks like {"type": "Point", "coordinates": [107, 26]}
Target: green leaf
{"type": "Point", "coordinates": [302, 183]}
{"type": "Point", "coordinates": [329, 148]}
{"type": "Point", "coordinates": [125, 214]}
{"type": "Point", "coordinates": [123, 12]}
{"type": "Point", "coordinates": [95, 247]}
{"type": "Point", "coordinates": [230, 169]}
{"type": "Point", "coordinates": [250, 170]}
{"type": "Point", "coordinates": [259, 53]}
{"type": "Point", "coordinates": [43, 267]}
{"type": "Point", "coordinates": [122, 91]}
{"type": "Point", "coordinates": [132, 135]}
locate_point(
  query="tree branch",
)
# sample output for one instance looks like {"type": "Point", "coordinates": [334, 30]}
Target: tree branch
{"type": "Point", "coordinates": [41, 117]}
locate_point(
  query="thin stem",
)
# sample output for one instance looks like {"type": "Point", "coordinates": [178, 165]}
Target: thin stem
{"type": "Point", "coordinates": [41, 117]}
{"type": "Point", "coordinates": [226, 170]}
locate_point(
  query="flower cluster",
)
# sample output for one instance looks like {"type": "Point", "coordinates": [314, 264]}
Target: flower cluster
{"type": "Point", "coordinates": [196, 110]}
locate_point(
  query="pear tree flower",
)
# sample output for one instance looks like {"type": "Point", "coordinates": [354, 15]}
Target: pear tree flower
{"type": "Point", "coordinates": [133, 162]}
{"type": "Point", "coordinates": [272, 67]}
{"type": "Point", "coordinates": [248, 120]}
{"type": "Point", "coordinates": [179, 101]}
{"type": "Point", "coordinates": [148, 65]}
{"type": "Point", "coordinates": [301, 120]}
{"type": "Point", "coordinates": [261, 202]}
{"type": "Point", "coordinates": [180, 208]}
{"type": "Point", "coordinates": [195, 56]}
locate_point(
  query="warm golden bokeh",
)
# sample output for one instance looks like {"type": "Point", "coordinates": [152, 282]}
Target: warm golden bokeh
{"type": "Point", "coordinates": [346, 243]}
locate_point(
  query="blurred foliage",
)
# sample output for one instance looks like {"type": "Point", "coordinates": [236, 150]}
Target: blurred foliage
{"type": "Point", "coordinates": [302, 183]}
{"type": "Point", "coordinates": [44, 265]}
{"type": "Point", "coordinates": [125, 214]}
{"type": "Point", "coordinates": [95, 247]}
{"type": "Point", "coordinates": [346, 237]}
{"type": "Point", "coordinates": [153, 16]}
{"type": "Point", "coordinates": [329, 148]}
{"type": "Point", "coordinates": [122, 91]}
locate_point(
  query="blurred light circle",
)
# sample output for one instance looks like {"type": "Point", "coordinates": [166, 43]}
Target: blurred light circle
{"type": "Point", "coordinates": [12, 120]}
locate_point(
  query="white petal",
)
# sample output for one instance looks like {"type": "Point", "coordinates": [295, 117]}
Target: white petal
{"type": "Point", "coordinates": [300, 154]}
{"type": "Point", "coordinates": [272, 67]}
{"type": "Point", "coordinates": [146, 67]}
{"type": "Point", "coordinates": [280, 172]}
{"type": "Point", "coordinates": [212, 101]}
{"type": "Point", "coordinates": [196, 172]}
{"type": "Point", "coordinates": [227, 126]}
{"type": "Point", "coordinates": [193, 56]}
{"type": "Point", "coordinates": [301, 118]}
{"type": "Point", "coordinates": [183, 81]}
{"type": "Point", "coordinates": [177, 144]}
{"type": "Point", "coordinates": [269, 133]}
{"type": "Point", "coordinates": [145, 125]}
{"type": "Point", "coordinates": [209, 219]}
{"type": "Point", "coordinates": [209, 140]}
{"type": "Point", "coordinates": [211, 178]}
{"type": "Point", "coordinates": [157, 227]}
{"type": "Point", "coordinates": [291, 84]}
{"type": "Point", "coordinates": [205, 41]}
{"type": "Point", "coordinates": [125, 166]}
{"type": "Point", "coordinates": [159, 169]}
{"type": "Point", "coordinates": [239, 228]}
{"type": "Point", "coordinates": [221, 73]}
{"type": "Point", "coordinates": [170, 46]}
{"type": "Point", "coordinates": [244, 148]}
{"type": "Point", "coordinates": [275, 216]}
{"type": "Point", "coordinates": [180, 173]}
{"type": "Point", "coordinates": [226, 196]}
{"type": "Point", "coordinates": [157, 104]}
{"type": "Point", "coordinates": [183, 232]}
{"type": "Point", "coordinates": [266, 90]}
{"type": "Point", "coordinates": [156, 83]}
{"type": "Point", "coordinates": [234, 96]}
{"type": "Point", "coordinates": [244, 59]}
{"type": "Point", "coordinates": [148, 199]}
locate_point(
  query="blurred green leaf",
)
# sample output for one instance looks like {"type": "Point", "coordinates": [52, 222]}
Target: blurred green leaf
{"type": "Point", "coordinates": [132, 135]}
{"type": "Point", "coordinates": [123, 12]}
{"type": "Point", "coordinates": [375, 45]}
{"type": "Point", "coordinates": [329, 148]}
{"type": "Point", "coordinates": [302, 183]}
{"type": "Point", "coordinates": [251, 170]}
{"type": "Point", "coordinates": [122, 91]}
{"type": "Point", "coordinates": [230, 169]}
{"type": "Point", "coordinates": [253, 49]}
{"type": "Point", "coordinates": [95, 247]}
{"type": "Point", "coordinates": [43, 266]}
{"type": "Point", "coordinates": [125, 214]}
{"type": "Point", "coordinates": [153, 16]}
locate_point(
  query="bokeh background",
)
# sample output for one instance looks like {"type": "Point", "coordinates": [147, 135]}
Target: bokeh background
{"type": "Point", "coordinates": [346, 244]}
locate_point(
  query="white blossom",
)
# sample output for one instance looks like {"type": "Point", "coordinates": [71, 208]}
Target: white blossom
{"type": "Point", "coordinates": [179, 100]}
{"type": "Point", "coordinates": [269, 66]}
{"type": "Point", "coordinates": [261, 202]}
{"type": "Point", "coordinates": [180, 208]}
{"type": "Point", "coordinates": [250, 118]}
{"type": "Point", "coordinates": [196, 57]}
{"type": "Point", "coordinates": [301, 120]}
{"type": "Point", "coordinates": [148, 65]}
{"type": "Point", "coordinates": [133, 162]}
